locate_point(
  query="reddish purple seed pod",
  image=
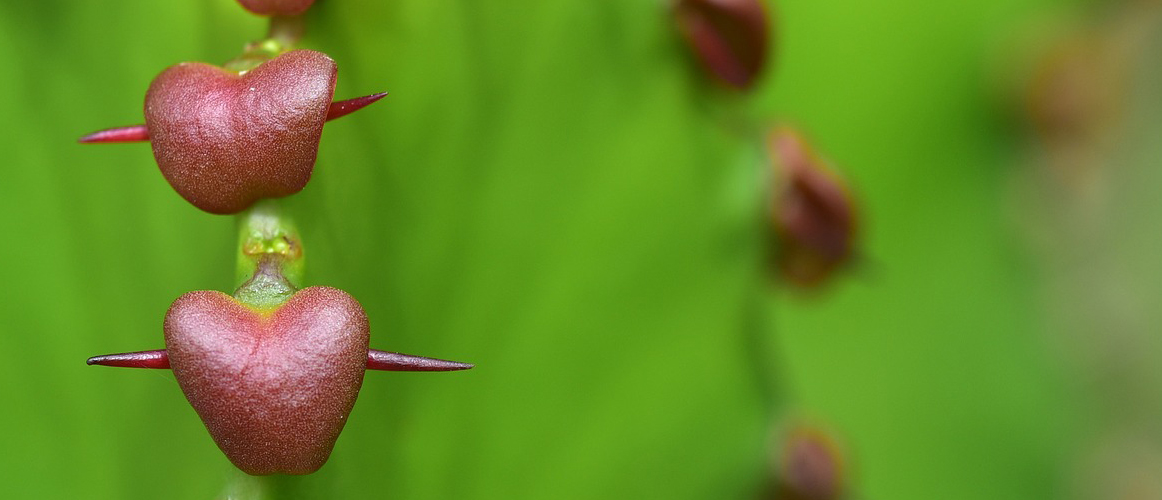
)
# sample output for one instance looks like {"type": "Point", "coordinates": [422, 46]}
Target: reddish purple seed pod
{"type": "Point", "coordinates": [728, 37]}
{"type": "Point", "coordinates": [813, 214]}
{"type": "Point", "coordinates": [275, 387]}
{"type": "Point", "coordinates": [225, 140]}
{"type": "Point", "coordinates": [276, 7]}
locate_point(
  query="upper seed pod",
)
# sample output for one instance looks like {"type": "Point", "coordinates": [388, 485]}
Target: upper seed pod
{"type": "Point", "coordinates": [137, 133]}
{"type": "Point", "coordinates": [223, 140]}
{"type": "Point", "coordinates": [277, 7]}
{"type": "Point", "coordinates": [729, 38]}
{"type": "Point", "coordinates": [813, 213]}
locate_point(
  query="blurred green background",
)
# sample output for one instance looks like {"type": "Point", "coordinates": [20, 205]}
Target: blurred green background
{"type": "Point", "coordinates": [553, 192]}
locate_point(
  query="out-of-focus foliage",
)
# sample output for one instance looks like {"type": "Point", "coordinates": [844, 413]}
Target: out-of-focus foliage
{"type": "Point", "coordinates": [551, 192]}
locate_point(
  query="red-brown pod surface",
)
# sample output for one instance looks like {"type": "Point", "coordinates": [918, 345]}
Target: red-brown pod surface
{"type": "Point", "coordinates": [277, 7]}
{"type": "Point", "coordinates": [274, 388]}
{"type": "Point", "coordinates": [224, 140]}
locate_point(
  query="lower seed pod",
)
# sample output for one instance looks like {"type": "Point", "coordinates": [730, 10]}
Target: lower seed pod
{"type": "Point", "coordinates": [273, 386]}
{"type": "Point", "coordinates": [273, 371]}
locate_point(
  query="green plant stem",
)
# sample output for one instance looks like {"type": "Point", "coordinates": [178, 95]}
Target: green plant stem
{"type": "Point", "coordinates": [275, 487]}
{"type": "Point", "coordinates": [247, 487]}
{"type": "Point", "coordinates": [286, 30]}
{"type": "Point", "coordinates": [270, 256]}
{"type": "Point", "coordinates": [284, 35]}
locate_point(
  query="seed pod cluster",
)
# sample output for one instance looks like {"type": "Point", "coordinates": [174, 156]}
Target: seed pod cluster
{"type": "Point", "coordinates": [812, 219]}
{"type": "Point", "coordinates": [273, 371]}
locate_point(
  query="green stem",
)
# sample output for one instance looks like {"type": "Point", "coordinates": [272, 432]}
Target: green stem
{"type": "Point", "coordinates": [287, 31]}
{"type": "Point", "coordinates": [274, 487]}
{"type": "Point", "coordinates": [284, 34]}
{"type": "Point", "coordinates": [270, 256]}
{"type": "Point", "coordinates": [247, 487]}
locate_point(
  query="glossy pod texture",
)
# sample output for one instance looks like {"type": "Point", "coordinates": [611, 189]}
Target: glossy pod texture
{"type": "Point", "coordinates": [274, 388]}
{"type": "Point", "coordinates": [277, 7]}
{"type": "Point", "coordinates": [225, 140]}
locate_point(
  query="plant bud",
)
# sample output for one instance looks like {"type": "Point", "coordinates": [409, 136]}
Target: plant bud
{"type": "Point", "coordinates": [728, 37]}
{"type": "Point", "coordinates": [276, 7]}
{"type": "Point", "coordinates": [813, 214]}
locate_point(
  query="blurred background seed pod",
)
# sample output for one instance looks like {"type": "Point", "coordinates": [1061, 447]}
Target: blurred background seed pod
{"type": "Point", "coordinates": [813, 214]}
{"type": "Point", "coordinates": [808, 465]}
{"type": "Point", "coordinates": [729, 38]}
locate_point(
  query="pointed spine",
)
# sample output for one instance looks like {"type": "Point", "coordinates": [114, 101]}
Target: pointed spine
{"type": "Point", "coordinates": [142, 359]}
{"type": "Point", "coordinates": [343, 108]}
{"type": "Point", "coordinates": [394, 361]}
{"type": "Point", "coordinates": [139, 133]}
{"type": "Point", "coordinates": [376, 360]}
{"type": "Point", "coordinates": [132, 133]}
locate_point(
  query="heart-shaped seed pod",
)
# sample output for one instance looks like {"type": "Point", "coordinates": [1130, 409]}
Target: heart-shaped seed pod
{"type": "Point", "coordinates": [223, 140]}
{"type": "Point", "coordinates": [273, 387]}
{"type": "Point", "coordinates": [728, 37]}
{"type": "Point", "coordinates": [277, 7]}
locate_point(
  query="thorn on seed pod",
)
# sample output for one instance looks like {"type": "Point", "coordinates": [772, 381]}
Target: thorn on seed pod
{"type": "Point", "coordinates": [140, 133]}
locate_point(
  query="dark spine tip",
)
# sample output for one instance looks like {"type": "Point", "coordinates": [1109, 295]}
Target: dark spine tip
{"type": "Point", "coordinates": [132, 133]}
{"type": "Point", "coordinates": [396, 362]}
{"type": "Point", "coordinates": [340, 109]}
{"type": "Point", "coordinates": [141, 359]}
